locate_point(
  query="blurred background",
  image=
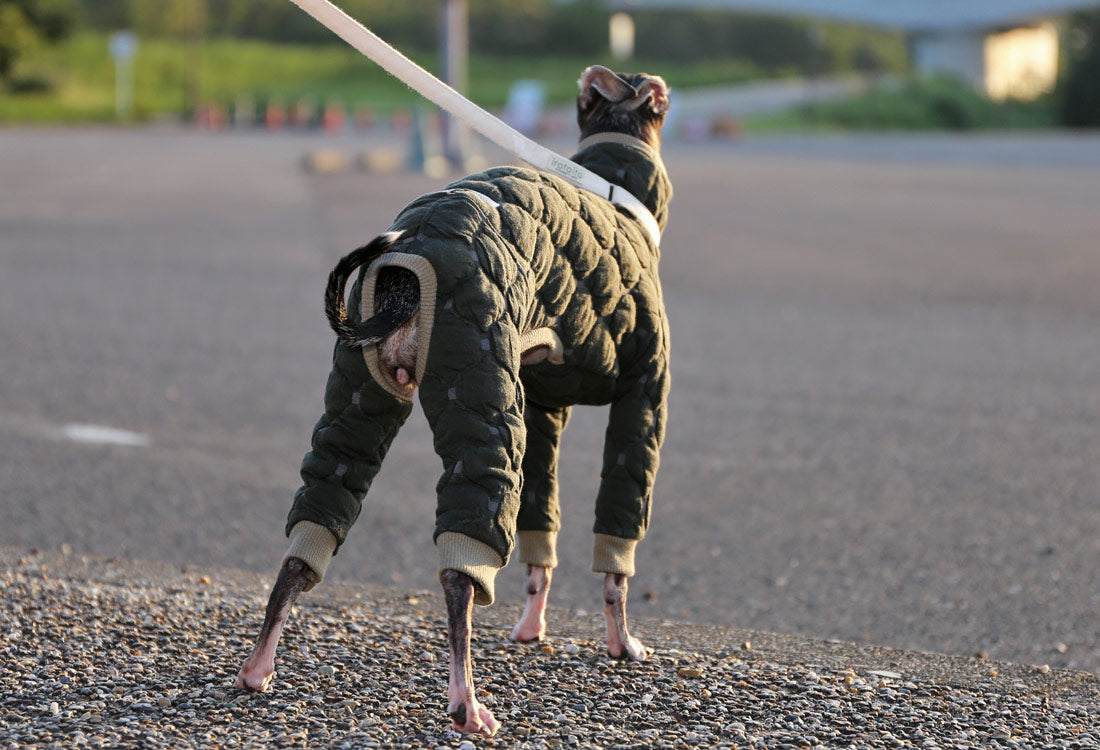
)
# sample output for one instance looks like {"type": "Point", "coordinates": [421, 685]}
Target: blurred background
{"type": "Point", "coordinates": [881, 271]}
{"type": "Point", "coordinates": [930, 64]}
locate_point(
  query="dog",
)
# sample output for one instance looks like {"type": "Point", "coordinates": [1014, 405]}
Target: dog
{"type": "Point", "coordinates": [506, 299]}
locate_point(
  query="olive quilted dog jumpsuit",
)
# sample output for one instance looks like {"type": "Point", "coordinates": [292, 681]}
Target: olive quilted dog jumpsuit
{"type": "Point", "coordinates": [507, 260]}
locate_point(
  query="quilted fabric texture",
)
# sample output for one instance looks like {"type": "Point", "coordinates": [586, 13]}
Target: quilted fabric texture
{"type": "Point", "coordinates": [546, 255]}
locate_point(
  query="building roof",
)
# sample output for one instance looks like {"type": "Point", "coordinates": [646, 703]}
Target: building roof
{"type": "Point", "coordinates": [910, 15]}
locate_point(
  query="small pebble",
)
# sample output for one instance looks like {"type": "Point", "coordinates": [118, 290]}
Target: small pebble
{"type": "Point", "coordinates": [572, 649]}
{"type": "Point", "coordinates": [326, 670]}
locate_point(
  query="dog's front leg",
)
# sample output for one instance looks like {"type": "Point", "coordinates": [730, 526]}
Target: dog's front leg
{"type": "Point", "coordinates": [620, 643]}
{"type": "Point", "coordinates": [259, 668]}
{"type": "Point", "coordinates": [532, 623]}
{"type": "Point", "coordinates": [467, 714]}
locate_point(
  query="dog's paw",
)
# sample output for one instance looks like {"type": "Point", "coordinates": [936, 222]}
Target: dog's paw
{"type": "Point", "coordinates": [629, 648]}
{"type": "Point", "coordinates": [471, 717]}
{"type": "Point", "coordinates": [255, 679]}
{"type": "Point", "coordinates": [528, 631]}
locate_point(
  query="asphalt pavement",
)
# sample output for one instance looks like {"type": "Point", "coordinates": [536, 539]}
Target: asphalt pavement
{"type": "Point", "coordinates": [885, 378]}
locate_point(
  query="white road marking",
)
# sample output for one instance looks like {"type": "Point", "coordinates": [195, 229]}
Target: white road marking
{"type": "Point", "coordinates": [96, 433]}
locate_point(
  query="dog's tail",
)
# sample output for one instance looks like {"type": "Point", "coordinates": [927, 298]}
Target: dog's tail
{"type": "Point", "coordinates": [376, 328]}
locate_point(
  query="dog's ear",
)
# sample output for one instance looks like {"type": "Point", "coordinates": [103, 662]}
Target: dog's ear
{"type": "Point", "coordinates": [653, 92]}
{"type": "Point", "coordinates": [602, 81]}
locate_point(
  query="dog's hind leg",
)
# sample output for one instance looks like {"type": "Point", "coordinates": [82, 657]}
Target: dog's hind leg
{"type": "Point", "coordinates": [259, 669]}
{"type": "Point", "coordinates": [463, 707]}
{"type": "Point", "coordinates": [539, 515]}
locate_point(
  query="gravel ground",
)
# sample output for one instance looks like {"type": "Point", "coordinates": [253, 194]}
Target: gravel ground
{"type": "Point", "coordinates": [109, 653]}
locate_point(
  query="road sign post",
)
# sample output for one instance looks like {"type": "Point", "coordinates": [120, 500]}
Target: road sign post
{"type": "Point", "coordinates": [454, 45]}
{"type": "Point", "coordinates": [123, 47]}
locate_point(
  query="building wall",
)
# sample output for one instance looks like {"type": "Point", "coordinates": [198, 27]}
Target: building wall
{"type": "Point", "coordinates": [1021, 63]}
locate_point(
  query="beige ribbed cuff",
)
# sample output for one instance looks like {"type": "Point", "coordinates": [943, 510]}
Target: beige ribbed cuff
{"type": "Point", "coordinates": [314, 545]}
{"type": "Point", "coordinates": [547, 337]}
{"type": "Point", "coordinates": [476, 559]}
{"type": "Point", "coordinates": [538, 548]}
{"type": "Point", "coordinates": [425, 273]}
{"type": "Point", "coordinates": [612, 554]}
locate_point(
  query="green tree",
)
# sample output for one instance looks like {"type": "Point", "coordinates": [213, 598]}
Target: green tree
{"type": "Point", "coordinates": [54, 19]}
{"type": "Point", "coordinates": [104, 15]}
{"type": "Point", "coordinates": [1079, 90]}
{"type": "Point", "coordinates": [168, 17]}
{"type": "Point", "coordinates": [17, 37]}
{"type": "Point", "coordinates": [25, 23]}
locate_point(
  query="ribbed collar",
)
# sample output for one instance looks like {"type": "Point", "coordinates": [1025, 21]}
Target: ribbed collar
{"type": "Point", "coordinates": [631, 164]}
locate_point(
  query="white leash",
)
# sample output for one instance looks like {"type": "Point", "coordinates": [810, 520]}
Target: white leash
{"type": "Point", "coordinates": [493, 128]}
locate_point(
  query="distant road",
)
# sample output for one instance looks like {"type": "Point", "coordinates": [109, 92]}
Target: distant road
{"type": "Point", "coordinates": [738, 101]}
{"type": "Point", "coordinates": [886, 377]}
{"type": "Point", "coordinates": [1004, 150]}
{"type": "Point", "coordinates": [765, 97]}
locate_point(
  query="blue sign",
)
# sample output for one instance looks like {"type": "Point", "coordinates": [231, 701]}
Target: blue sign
{"type": "Point", "coordinates": [123, 45]}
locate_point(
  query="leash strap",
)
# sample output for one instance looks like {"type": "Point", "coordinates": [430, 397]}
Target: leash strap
{"type": "Point", "coordinates": [493, 128]}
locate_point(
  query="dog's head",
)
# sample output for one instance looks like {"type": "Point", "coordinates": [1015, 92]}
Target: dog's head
{"type": "Point", "coordinates": [630, 103]}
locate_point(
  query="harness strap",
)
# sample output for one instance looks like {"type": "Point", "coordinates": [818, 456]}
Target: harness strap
{"type": "Point", "coordinates": [493, 128]}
